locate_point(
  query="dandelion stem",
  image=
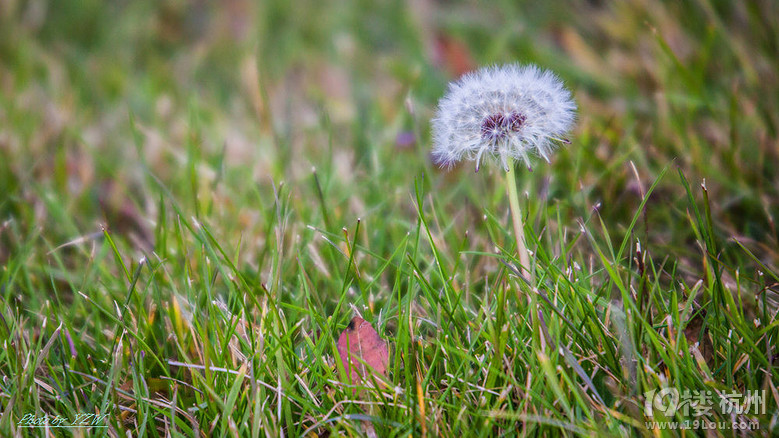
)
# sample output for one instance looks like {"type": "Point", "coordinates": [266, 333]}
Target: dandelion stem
{"type": "Point", "coordinates": [516, 217]}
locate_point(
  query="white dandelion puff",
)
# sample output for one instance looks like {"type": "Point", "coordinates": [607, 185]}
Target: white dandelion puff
{"type": "Point", "coordinates": [510, 113]}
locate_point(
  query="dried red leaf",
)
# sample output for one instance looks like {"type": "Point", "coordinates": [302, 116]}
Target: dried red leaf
{"type": "Point", "coordinates": [359, 345]}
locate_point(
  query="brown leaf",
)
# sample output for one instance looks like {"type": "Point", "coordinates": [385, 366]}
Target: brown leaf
{"type": "Point", "coordinates": [359, 345]}
{"type": "Point", "coordinates": [698, 337]}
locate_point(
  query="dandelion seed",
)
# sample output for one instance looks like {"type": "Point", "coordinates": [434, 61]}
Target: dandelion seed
{"type": "Point", "coordinates": [509, 113]}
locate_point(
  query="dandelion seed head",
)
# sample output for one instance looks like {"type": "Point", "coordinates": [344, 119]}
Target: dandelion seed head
{"type": "Point", "coordinates": [506, 112]}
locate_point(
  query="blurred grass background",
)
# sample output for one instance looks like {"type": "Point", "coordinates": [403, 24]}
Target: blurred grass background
{"type": "Point", "coordinates": [185, 134]}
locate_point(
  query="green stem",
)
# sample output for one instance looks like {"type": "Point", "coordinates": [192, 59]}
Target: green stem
{"type": "Point", "coordinates": [516, 217]}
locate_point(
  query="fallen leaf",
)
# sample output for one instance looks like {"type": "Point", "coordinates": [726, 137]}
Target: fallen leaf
{"type": "Point", "coordinates": [359, 345]}
{"type": "Point", "coordinates": [698, 337]}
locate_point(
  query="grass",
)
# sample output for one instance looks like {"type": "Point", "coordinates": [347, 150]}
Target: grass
{"type": "Point", "coordinates": [197, 199]}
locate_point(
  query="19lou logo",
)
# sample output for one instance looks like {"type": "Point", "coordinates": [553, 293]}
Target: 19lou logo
{"type": "Point", "coordinates": [665, 401]}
